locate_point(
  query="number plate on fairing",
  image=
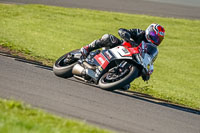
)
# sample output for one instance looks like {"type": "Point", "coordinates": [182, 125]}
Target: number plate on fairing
{"type": "Point", "coordinates": [120, 52]}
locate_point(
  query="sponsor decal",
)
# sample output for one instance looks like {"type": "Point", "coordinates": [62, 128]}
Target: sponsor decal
{"type": "Point", "coordinates": [100, 68]}
{"type": "Point", "coordinates": [101, 60]}
{"type": "Point", "coordinates": [98, 71]}
{"type": "Point", "coordinates": [108, 55]}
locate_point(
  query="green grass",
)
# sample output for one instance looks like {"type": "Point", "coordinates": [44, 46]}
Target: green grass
{"type": "Point", "coordinates": [48, 32]}
{"type": "Point", "coordinates": [15, 117]}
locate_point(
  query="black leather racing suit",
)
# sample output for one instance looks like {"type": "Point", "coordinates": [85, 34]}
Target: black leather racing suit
{"type": "Point", "coordinates": [111, 41]}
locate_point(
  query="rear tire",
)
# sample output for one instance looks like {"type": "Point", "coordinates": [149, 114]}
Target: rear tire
{"type": "Point", "coordinates": [133, 74]}
{"type": "Point", "coordinates": [64, 70]}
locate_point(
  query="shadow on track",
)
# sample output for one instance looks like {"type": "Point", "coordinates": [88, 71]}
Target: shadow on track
{"type": "Point", "coordinates": [162, 102]}
{"type": "Point", "coordinates": [146, 97]}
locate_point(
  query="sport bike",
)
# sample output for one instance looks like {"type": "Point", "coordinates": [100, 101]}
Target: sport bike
{"type": "Point", "coordinates": [109, 68]}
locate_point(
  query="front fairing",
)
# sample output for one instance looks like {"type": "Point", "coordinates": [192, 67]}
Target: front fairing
{"type": "Point", "coordinates": [147, 56]}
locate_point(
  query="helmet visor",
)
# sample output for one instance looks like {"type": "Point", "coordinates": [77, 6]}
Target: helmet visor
{"type": "Point", "coordinates": [155, 38]}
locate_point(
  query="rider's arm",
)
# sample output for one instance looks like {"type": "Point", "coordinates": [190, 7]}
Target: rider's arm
{"type": "Point", "coordinates": [135, 34]}
{"type": "Point", "coordinates": [124, 34]}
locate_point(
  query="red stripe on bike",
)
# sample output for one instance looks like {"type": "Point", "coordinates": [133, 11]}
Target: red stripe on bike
{"type": "Point", "coordinates": [101, 60]}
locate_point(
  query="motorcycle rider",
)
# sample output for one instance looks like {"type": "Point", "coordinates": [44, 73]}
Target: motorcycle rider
{"type": "Point", "coordinates": [154, 35]}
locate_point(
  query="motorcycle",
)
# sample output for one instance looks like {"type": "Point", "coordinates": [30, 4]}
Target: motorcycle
{"type": "Point", "coordinates": [109, 68]}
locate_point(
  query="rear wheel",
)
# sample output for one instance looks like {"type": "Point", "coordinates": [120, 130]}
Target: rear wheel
{"type": "Point", "coordinates": [115, 79]}
{"type": "Point", "coordinates": [63, 66]}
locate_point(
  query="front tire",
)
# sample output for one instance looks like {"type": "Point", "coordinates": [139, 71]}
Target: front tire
{"type": "Point", "coordinates": [128, 78]}
{"type": "Point", "coordinates": [61, 69]}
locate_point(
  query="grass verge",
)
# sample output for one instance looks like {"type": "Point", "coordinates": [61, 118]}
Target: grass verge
{"type": "Point", "coordinates": [15, 117]}
{"type": "Point", "coordinates": [48, 32]}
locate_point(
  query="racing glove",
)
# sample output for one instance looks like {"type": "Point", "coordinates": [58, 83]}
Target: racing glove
{"type": "Point", "coordinates": [126, 36]}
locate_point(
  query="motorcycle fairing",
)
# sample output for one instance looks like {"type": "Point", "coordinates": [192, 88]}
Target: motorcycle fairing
{"type": "Point", "coordinates": [121, 52]}
{"type": "Point", "coordinates": [106, 56]}
{"type": "Point", "coordinates": [102, 60]}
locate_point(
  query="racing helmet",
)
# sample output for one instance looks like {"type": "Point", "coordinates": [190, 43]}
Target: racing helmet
{"type": "Point", "coordinates": [155, 34]}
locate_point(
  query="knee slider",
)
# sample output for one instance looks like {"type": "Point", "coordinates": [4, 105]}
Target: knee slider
{"type": "Point", "coordinates": [109, 40]}
{"type": "Point", "coordinates": [105, 38]}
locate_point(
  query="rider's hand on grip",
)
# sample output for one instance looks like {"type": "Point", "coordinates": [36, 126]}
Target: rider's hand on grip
{"type": "Point", "coordinates": [126, 36]}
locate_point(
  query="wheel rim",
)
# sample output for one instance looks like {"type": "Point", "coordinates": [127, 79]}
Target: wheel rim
{"type": "Point", "coordinates": [113, 76]}
{"type": "Point", "coordinates": [66, 60]}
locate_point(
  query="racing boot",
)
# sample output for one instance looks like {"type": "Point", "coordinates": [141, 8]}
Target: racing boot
{"type": "Point", "coordinates": [90, 47]}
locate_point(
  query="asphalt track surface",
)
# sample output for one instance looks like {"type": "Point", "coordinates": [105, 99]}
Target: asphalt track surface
{"type": "Point", "coordinates": [172, 8]}
{"type": "Point", "coordinates": [119, 111]}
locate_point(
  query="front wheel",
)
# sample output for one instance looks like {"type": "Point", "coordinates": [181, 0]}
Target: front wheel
{"type": "Point", "coordinates": [63, 66]}
{"type": "Point", "coordinates": [111, 80]}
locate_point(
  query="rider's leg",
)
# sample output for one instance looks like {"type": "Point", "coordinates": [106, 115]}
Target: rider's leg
{"type": "Point", "coordinates": [106, 40]}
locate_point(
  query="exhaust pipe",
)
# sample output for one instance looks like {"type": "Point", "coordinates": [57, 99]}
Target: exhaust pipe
{"type": "Point", "coordinates": [78, 70]}
{"type": "Point", "coordinates": [88, 66]}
